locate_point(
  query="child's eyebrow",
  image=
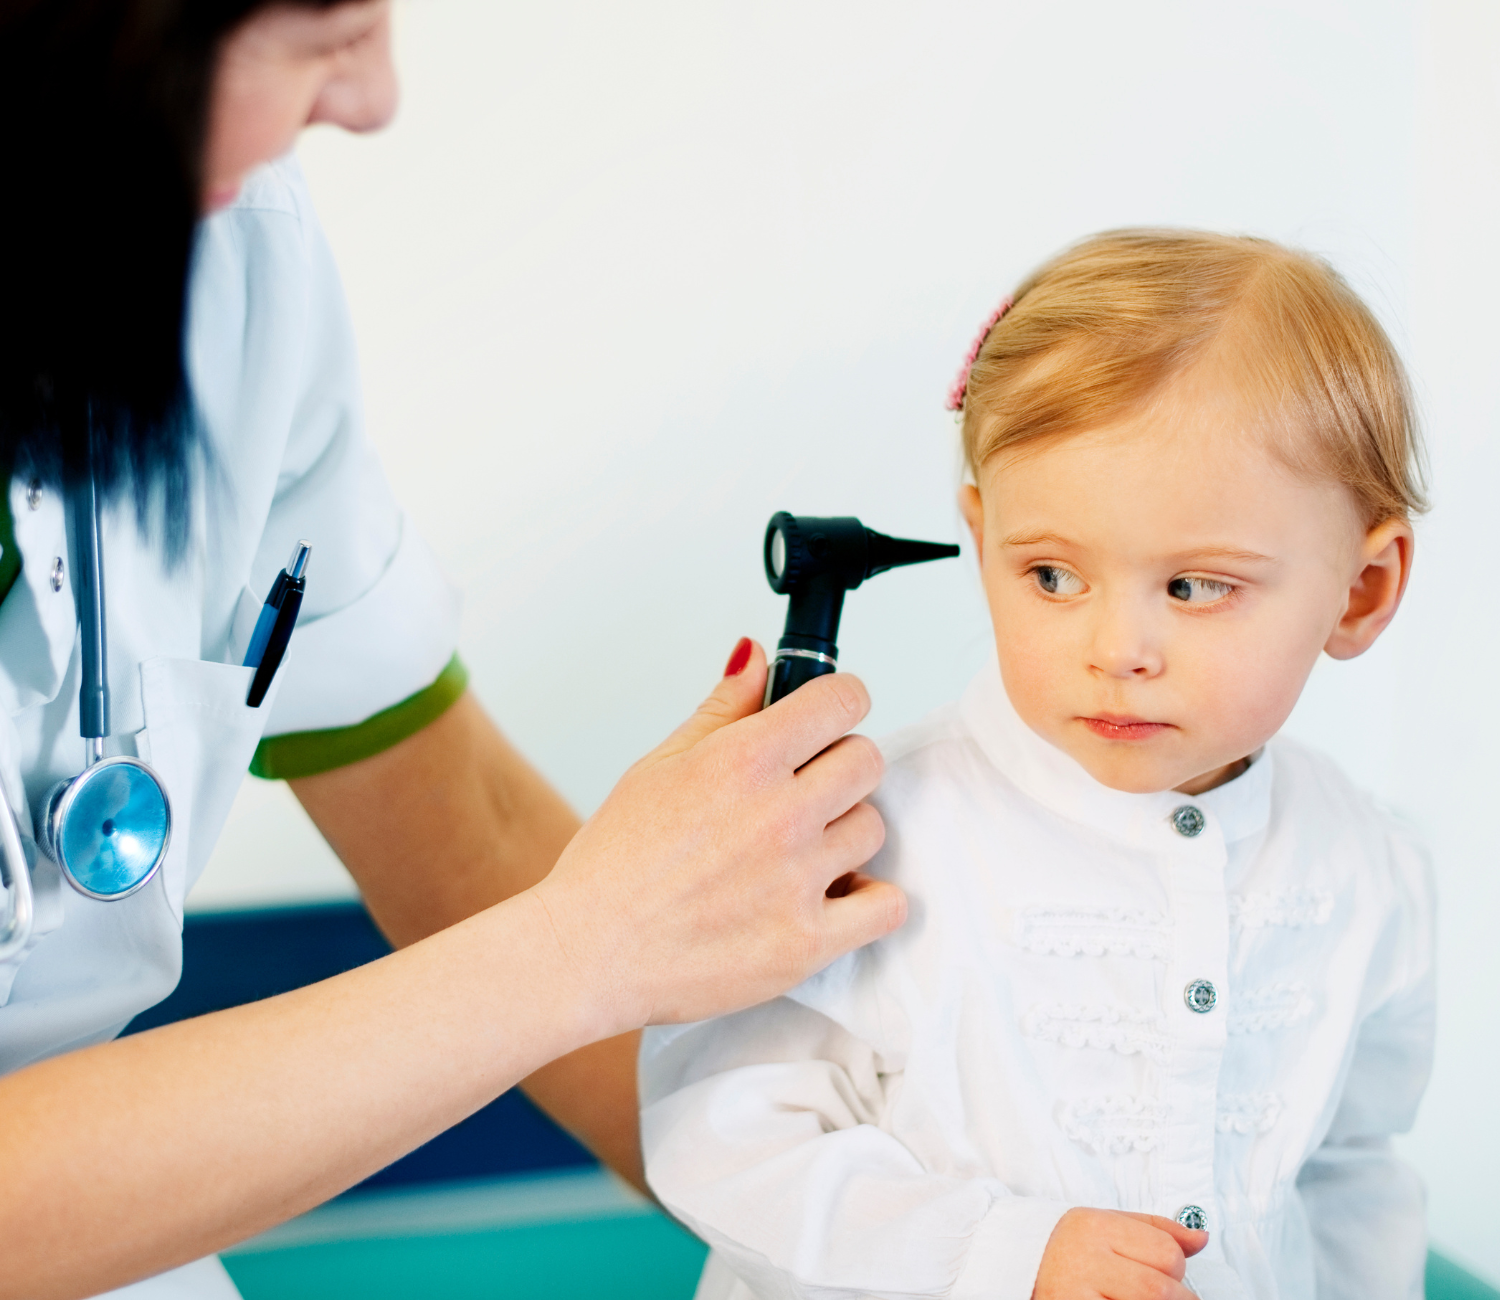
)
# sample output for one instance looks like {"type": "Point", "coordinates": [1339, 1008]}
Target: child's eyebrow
{"type": "Point", "coordinates": [1237, 554]}
{"type": "Point", "coordinates": [1228, 553]}
{"type": "Point", "coordinates": [1035, 539]}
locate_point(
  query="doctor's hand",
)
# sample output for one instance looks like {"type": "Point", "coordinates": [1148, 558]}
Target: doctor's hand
{"type": "Point", "coordinates": [723, 869]}
{"type": "Point", "coordinates": [1115, 1255]}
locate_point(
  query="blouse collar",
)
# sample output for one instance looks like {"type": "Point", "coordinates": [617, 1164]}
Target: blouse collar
{"type": "Point", "coordinates": [1241, 807]}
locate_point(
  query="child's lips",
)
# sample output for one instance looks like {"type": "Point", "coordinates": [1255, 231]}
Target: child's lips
{"type": "Point", "coordinates": [1112, 727]}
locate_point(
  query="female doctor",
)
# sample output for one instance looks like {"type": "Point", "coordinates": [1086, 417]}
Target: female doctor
{"type": "Point", "coordinates": [177, 383]}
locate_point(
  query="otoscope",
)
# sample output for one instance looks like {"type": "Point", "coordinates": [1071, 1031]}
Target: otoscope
{"type": "Point", "coordinates": [815, 561]}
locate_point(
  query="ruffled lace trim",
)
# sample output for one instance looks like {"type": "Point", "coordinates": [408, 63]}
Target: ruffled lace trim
{"type": "Point", "coordinates": [1093, 932]}
{"type": "Point", "coordinates": [1248, 1112]}
{"type": "Point", "coordinates": [1117, 1126]}
{"type": "Point", "coordinates": [1112, 1029]}
{"type": "Point", "coordinates": [1297, 907]}
{"type": "Point", "coordinates": [1272, 1007]}
{"type": "Point", "coordinates": [1114, 1126]}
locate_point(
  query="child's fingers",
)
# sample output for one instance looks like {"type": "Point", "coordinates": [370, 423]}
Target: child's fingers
{"type": "Point", "coordinates": [1192, 1240]}
{"type": "Point", "coordinates": [1137, 1282]}
{"type": "Point", "coordinates": [1189, 1241]}
{"type": "Point", "coordinates": [1144, 1239]}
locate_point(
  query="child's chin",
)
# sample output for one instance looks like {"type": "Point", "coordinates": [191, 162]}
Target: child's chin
{"type": "Point", "coordinates": [1132, 774]}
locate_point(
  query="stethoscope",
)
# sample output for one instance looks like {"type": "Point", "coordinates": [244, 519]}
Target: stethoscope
{"type": "Point", "coordinates": [107, 828]}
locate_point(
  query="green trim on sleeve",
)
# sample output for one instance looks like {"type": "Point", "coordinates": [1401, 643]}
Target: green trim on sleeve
{"type": "Point", "coordinates": [306, 753]}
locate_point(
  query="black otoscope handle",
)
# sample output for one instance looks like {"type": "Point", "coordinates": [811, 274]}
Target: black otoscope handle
{"type": "Point", "coordinates": [795, 666]}
{"type": "Point", "coordinates": [807, 648]}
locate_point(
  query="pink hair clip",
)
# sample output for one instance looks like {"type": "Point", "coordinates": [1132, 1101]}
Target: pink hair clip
{"type": "Point", "coordinates": [960, 388]}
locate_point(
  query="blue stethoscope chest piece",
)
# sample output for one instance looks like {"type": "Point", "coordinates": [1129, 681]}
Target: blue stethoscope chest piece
{"type": "Point", "coordinates": [108, 828]}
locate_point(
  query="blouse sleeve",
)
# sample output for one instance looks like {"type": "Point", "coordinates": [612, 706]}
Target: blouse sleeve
{"type": "Point", "coordinates": [1366, 1208]}
{"type": "Point", "coordinates": [763, 1132]}
{"type": "Point", "coordinates": [276, 379]}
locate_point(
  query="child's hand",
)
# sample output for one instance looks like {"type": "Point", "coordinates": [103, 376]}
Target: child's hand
{"type": "Point", "coordinates": [1113, 1255]}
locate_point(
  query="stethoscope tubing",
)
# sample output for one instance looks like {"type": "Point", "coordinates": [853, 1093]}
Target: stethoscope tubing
{"type": "Point", "coordinates": [19, 912]}
{"type": "Point", "coordinates": [94, 724]}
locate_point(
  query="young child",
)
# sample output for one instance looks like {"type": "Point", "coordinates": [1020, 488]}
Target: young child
{"type": "Point", "coordinates": [1166, 989]}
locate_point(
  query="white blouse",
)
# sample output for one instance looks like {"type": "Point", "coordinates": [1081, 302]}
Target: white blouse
{"type": "Point", "coordinates": [1217, 1005]}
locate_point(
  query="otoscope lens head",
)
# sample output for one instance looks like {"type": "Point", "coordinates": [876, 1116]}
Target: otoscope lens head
{"type": "Point", "coordinates": [783, 552]}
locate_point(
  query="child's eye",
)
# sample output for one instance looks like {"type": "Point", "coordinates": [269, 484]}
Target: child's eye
{"type": "Point", "coordinates": [1197, 591]}
{"type": "Point", "coordinates": [1057, 582]}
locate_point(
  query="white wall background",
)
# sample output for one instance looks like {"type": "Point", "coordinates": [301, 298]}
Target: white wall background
{"type": "Point", "coordinates": [629, 278]}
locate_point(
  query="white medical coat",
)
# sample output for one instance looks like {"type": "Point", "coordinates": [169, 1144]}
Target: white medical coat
{"type": "Point", "coordinates": [914, 1121]}
{"type": "Point", "coordinates": [273, 371]}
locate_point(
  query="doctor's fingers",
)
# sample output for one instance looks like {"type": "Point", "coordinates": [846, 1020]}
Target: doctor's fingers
{"type": "Point", "coordinates": [771, 744]}
{"type": "Point", "coordinates": [859, 910]}
{"type": "Point", "coordinates": [796, 730]}
{"type": "Point", "coordinates": [849, 842]}
{"type": "Point", "coordinates": [841, 776]}
{"type": "Point", "coordinates": [737, 695]}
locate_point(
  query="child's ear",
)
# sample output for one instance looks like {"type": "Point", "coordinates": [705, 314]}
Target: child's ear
{"type": "Point", "coordinates": [972, 509]}
{"type": "Point", "coordinates": [1375, 594]}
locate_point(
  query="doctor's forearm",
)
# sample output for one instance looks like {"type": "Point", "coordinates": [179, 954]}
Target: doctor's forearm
{"type": "Point", "coordinates": [132, 1157]}
{"type": "Point", "coordinates": [446, 823]}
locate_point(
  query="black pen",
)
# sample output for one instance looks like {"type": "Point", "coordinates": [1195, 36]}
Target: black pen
{"type": "Point", "coordinates": [273, 629]}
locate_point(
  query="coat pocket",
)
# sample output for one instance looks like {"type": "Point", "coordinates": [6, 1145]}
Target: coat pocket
{"type": "Point", "coordinates": [199, 736]}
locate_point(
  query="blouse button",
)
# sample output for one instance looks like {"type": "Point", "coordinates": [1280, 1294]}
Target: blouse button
{"type": "Point", "coordinates": [1188, 821]}
{"type": "Point", "coordinates": [34, 494]}
{"type": "Point", "coordinates": [1200, 996]}
{"type": "Point", "coordinates": [56, 575]}
{"type": "Point", "coordinates": [1192, 1216]}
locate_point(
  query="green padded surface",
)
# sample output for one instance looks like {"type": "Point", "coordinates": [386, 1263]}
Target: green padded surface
{"type": "Point", "coordinates": [1447, 1281]}
{"type": "Point", "coordinates": [625, 1259]}
{"type": "Point", "coordinates": [559, 1235]}
{"type": "Point", "coordinates": [574, 1235]}
{"type": "Point", "coordinates": [645, 1258]}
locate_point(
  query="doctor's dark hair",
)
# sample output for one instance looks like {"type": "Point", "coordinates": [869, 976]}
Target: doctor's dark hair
{"type": "Point", "coordinates": [106, 105]}
{"type": "Point", "coordinates": [1106, 327]}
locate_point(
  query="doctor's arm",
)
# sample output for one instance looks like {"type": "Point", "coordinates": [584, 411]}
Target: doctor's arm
{"type": "Point", "coordinates": [699, 886]}
{"type": "Point", "coordinates": [443, 825]}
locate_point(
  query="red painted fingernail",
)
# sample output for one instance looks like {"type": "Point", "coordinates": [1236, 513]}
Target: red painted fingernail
{"type": "Point", "coordinates": [739, 658]}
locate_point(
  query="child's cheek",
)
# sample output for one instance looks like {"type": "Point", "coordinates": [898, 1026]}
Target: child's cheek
{"type": "Point", "coordinates": [1034, 659]}
{"type": "Point", "coordinates": [1245, 689]}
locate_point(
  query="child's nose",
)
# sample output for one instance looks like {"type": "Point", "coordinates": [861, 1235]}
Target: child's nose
{"type": "Point", "coordinates": [1124, 645]}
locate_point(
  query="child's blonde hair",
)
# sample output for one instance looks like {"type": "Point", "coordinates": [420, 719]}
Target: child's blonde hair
{"type": "Point", "coordinates": [1104, 327]}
